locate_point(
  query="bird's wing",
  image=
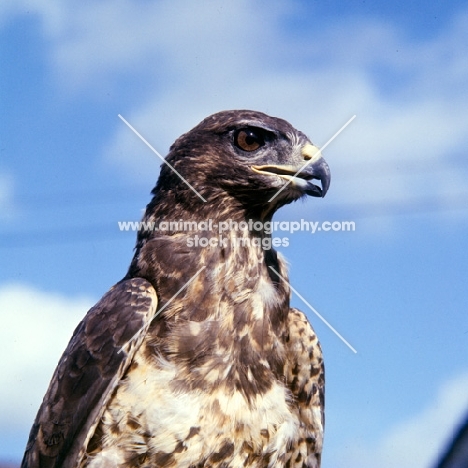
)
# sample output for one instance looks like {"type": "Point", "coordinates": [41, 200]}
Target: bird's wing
{"type": "Point", "coordinates": [99, 352]}
{"type": "Point", "coordinates": [305, 376]}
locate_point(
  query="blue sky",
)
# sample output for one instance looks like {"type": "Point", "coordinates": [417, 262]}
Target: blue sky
{"type": "Point", "coordinates": [395, 288]}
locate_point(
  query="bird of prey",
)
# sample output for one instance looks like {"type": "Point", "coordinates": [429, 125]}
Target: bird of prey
{"type": "Point", "coordinates": [195, 358]}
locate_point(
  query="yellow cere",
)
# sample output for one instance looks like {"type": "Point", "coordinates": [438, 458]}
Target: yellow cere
{"type": "Point", "coordinates": [311, 152]}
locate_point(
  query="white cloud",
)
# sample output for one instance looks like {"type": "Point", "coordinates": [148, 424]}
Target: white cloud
{"type": "Point", "coordinates": [94, 42]}
{"type": "Point", "coordinates": [36, 327]}
{"type": "Point", "coordinates": [416, 442]}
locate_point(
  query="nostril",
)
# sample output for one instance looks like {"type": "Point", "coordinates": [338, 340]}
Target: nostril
{"type": "Point", "coordinates": [310, 151]}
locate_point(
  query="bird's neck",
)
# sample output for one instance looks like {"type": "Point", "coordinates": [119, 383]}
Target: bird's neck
{"type": "Point", "coordinates": [206, 231]}
{"type": "Point", "coordinates": [228, 243]}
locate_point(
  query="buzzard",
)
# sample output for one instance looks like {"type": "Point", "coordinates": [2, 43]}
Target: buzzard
{"type": "Point", "coordinates": [195, 358]}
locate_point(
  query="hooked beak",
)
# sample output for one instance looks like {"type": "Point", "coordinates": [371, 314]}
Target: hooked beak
{"type": "Point", "coordinates": [313, 168]}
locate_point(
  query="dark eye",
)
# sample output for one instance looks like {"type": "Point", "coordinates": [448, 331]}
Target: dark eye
{"type": "Point", "coordinates": [249, 139]}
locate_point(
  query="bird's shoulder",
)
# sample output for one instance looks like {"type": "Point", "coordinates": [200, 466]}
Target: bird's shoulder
{"type": "Point", "coordinates": [98, 354]}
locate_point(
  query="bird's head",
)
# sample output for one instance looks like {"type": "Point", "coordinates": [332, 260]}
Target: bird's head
{"type": "Point", "coordinates": [261, 162]}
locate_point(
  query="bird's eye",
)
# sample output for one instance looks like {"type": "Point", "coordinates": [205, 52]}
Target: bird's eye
{"type": "Point", "coordinates": [249, 139]}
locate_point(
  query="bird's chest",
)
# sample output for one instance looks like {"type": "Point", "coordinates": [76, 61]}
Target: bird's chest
{"type": "Point", "coordinates": [154, 422]}
{"type": "Point", "coordinates": [205, 393]}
